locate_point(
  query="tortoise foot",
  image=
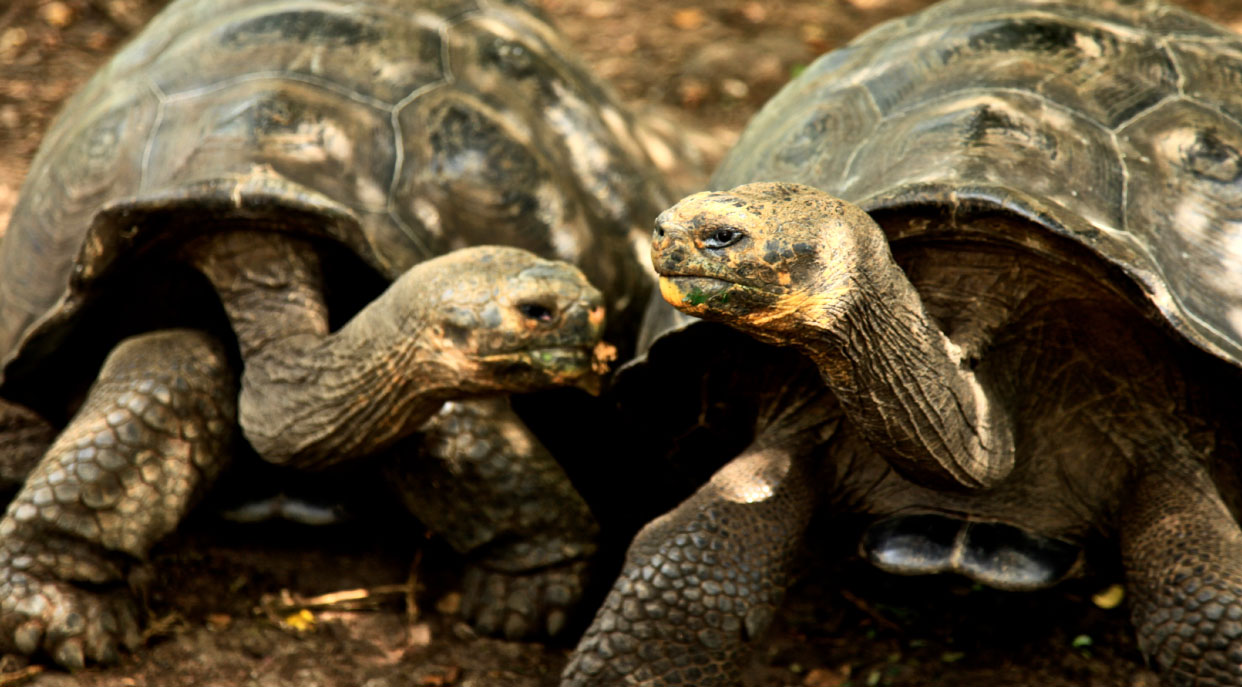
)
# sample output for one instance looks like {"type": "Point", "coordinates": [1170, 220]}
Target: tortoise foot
{"type": "Point", "coordinates": [522, 605]}
{"type": "Point", "coordinates": [1182, 552]}
{"type": "Point", "coordinates": [40, 612]}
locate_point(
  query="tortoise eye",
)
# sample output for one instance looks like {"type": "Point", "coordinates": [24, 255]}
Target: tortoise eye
{"type": "Point", "coordinates": [536, 312]}
{"type": "Point", "coordinates": [722, 237]}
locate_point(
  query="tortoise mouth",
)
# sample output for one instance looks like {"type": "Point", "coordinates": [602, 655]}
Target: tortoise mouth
{"type": "Point", "coordinates": [581, 365]}
{"type": "Point", "coordinates": [566, 355]}
{"type": "Point", "coordinates": [696, 292]}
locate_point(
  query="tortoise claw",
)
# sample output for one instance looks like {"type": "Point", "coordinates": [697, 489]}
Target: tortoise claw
{"type": "Point", "coordinates": [70, 654]}
{"type": "Point", "coordinates": [522, 605]}
{"type": "Point", "coordinates": [67, 623]}
{"type": "Point", "coordinates": [27, 637]}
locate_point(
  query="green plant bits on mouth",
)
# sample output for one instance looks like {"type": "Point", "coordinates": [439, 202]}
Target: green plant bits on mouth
{"type": "Point", "coordinates": [695, 297]}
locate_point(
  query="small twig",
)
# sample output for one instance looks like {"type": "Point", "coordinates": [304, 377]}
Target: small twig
{"type": "Point", "coordinates": [347, 596]}
{"type": "Point", "coordinates": [19, 676]}
{"type": "Point", "coordinates": [164, 626]}
{"type": "Point", "coordinates": [411, 589]}
{"type": "Point", "coordinates": [866, 608]}
{"type": "Point", "coordinates": [350, 599]}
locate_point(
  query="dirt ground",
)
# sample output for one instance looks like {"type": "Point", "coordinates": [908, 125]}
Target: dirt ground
{"type": "Point", "coordinates": [219, 616]}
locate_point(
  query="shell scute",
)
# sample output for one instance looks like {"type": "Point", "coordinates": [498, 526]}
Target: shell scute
{"type": "Point", "coordinates": [339, 146]}
{"type": "Point", "coordinates": [99, 157]}
{"type": "Point", "coordinates": [359, 50]}
{"type": "Point", "coordinates": [476, 171]}
{"type": "Point", "coordinates": [1212, 74]}
{"type": "Point", "coordinates": [1052, 57]}
{"type": "Point", "coordinates": [1184, 200]}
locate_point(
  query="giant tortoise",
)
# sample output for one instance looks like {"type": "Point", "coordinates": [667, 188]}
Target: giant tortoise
{"type": "Point", "coordinates": [1026, 315]}
{"type": "Point", "coordinates": [220, 213]}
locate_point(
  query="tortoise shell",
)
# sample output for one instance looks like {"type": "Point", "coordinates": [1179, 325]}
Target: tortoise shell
{"type": "Point", "coordinates": [399, 130]}
{"type": "Point", "coordinates": [1115, 125]}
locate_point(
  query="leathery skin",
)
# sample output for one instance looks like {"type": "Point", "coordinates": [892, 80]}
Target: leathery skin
{"type": "Point", "coordinates": [154, 428]}
{"type": "Point", "coordinates": [486, 484]}
{"type": "Point", "coordinates": [701, 581]}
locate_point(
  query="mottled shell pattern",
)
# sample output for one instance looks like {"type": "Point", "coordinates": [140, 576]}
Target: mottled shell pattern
{"type": "Point", "coordinates": [400, 128]}
{"type": "Point", "coordinates": [1115, 124]}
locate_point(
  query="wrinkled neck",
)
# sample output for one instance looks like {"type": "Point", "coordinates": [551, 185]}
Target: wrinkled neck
{"type": "Point", "coordinates": [316, 399]}
{"type": "Point", "coordinates": [903, 382]}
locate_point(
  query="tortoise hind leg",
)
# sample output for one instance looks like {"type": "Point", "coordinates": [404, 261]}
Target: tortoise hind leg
{"type": "Point", "coordinates": [1183, 557]}
{"type": "Point", "coordinates": [154, 427]}
{"type": "Point", "coordinates": [487, 485]}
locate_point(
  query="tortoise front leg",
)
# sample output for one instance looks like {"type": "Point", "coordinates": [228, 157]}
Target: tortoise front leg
{"type": "Point", "coordinates": [487, 485]}
{"type": "Point", "coordinates": [154, 427]}
{"type": "Point", "coordinates": [700, 582]}
{"type": "Point", "coordinates": [1183, 558]}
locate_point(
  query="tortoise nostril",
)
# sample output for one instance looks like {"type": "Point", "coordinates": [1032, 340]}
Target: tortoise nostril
{"type": "Point", "coordinates": [535, 311]}
{"type": "Point", "coordinates": [659, 231]}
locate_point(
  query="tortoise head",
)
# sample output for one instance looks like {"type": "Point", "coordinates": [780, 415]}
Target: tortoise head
{"type": "Point", "coordinates": [513, 321]}
{"type": "Point", "coordinates": [776, 260]}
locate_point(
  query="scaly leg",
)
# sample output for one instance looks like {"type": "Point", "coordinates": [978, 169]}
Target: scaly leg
{"type": "Point", "coordinates": [1183, 558]}
{"type": "Point", "coordinates": [491, 489]}
{"type": "Point", "coordinates": [702, 580]}
{"type": "Point", "coordinates": [155, 426]}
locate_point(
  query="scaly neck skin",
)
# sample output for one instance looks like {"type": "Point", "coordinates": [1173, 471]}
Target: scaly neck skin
{"type": "Point", "coordinates": [901, 380]}
{"type": "Point", "coordinates": [309, 396]}
{"type": "Point", "coordinates": [313, 400]}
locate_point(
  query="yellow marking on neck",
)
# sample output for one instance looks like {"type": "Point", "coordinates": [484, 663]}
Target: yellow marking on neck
{"type": "Point", "coordinates": [812, 306]}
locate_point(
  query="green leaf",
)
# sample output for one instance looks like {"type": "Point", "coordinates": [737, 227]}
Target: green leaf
{"type": "Point", "coordinates": [695, 297]}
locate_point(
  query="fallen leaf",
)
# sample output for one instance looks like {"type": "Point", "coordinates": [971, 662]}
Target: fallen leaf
{"type": "Point", "coordinates": [302, 621]}
{"type": "Point", "coordinates": [754, 12]}
{"type": "Point", "coordinates": [441, 676]}
{"type": "Point", "coordinates": [825, 677]}
{"type": "Point", "coordinates": [689, 19]}
{"type": "Point", "coordinates": [56, 14]}
{"type": "Point", "coordinates": [1109, 598]}
{"type": "Point", "coordinates": [599, 9]}
{"type": "Point", "coordinates": [735, 88]}
{"type": "Point", "coordinates": [449, 604]}
{"type": "Point", "coordinates": [692, 92]}
{"type": "Point", "coordinates": [420, 634]}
